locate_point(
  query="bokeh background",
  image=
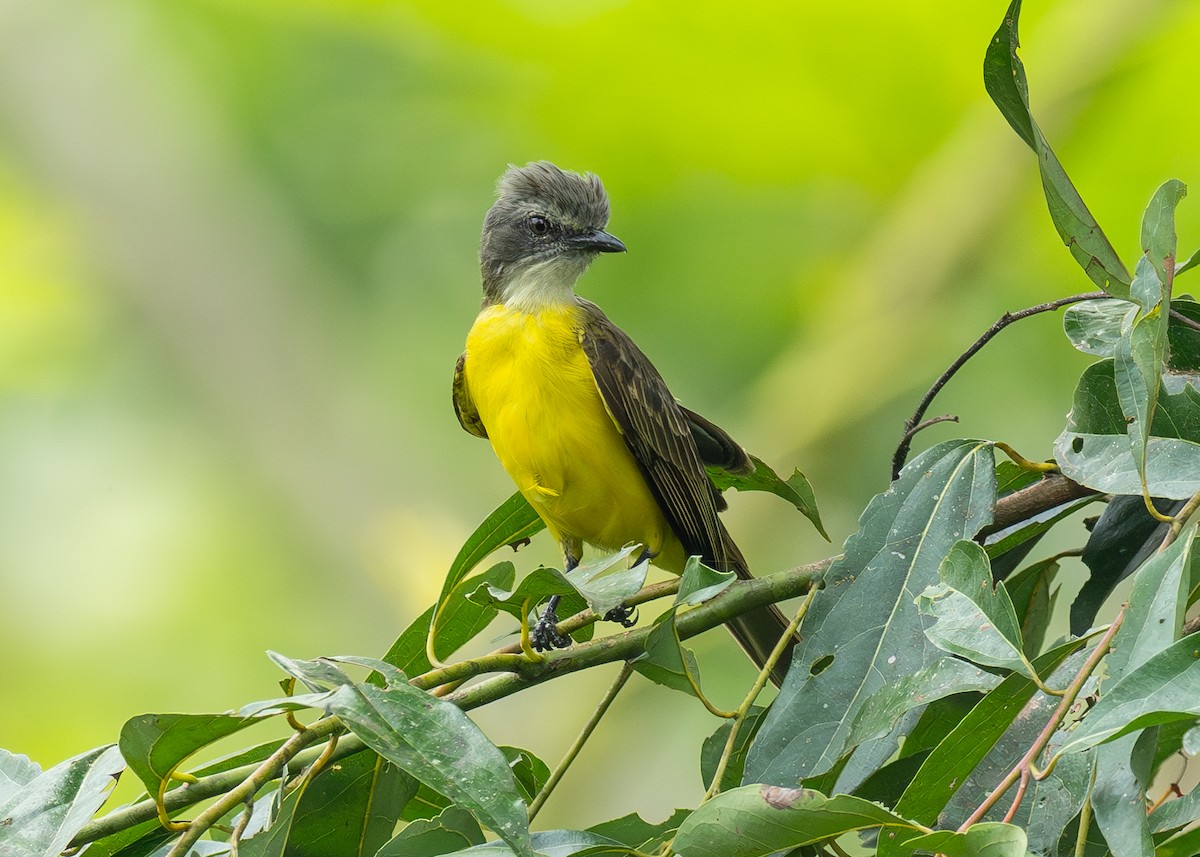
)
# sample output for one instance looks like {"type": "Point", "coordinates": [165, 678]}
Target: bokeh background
{"type": "Point", "coordinates": [238, 260]}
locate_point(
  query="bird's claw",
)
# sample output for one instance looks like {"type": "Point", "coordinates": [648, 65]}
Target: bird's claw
{"type": "Point", "coordinates": [626, 616]}
{"type": "Point", "coordinates": [545, 637]}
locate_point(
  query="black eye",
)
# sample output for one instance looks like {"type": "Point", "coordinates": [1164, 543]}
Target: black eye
{"type": "Point", "coordinates": [538, 225]}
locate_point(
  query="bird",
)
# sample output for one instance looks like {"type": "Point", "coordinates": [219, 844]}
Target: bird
{"type": "Point", "coordinates": [577, 414]}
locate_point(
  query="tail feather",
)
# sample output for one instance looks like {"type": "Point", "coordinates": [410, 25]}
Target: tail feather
{"type": "Point", "coordinates": [759, 631]}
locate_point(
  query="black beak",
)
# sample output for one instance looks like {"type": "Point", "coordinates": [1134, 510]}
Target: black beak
{"type": "Point", "coordinates": [599, 242]}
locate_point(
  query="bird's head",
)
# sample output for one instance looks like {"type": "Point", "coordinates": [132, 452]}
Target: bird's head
{"type": "Point", "coordinates": [541, 234]}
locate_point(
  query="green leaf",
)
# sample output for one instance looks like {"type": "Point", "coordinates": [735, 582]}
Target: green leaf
{"type": "Point", "coordinates": [512, 522]}
{"type": "Point", "coordinates": [987, 839]}
{"type": "Point", "coordinates": [593, 583]}
{"type": "Point", "coordinates": [530, 772]}
{"type": "Point", "coordinates": [1152, 621]}
{"type": "Point", "coordinates": [275, 840]}
{"type": "Point", "coordinates": [972, 618]}
{"type": "Point", "coordinates": [1033, 600]}
{"type": "Point", "coordinates": [351, 808]}
{"type": "Point", "coordinates": [154, 745]}
{"type": "Point", "coordinates": [757, 820]}
{"type": "Point", "coordinates": [1185, 845]}
{"type": "Point", "coordinates": [863, 630]}
{"type": "Point", "coordinates": [426, 804]}
{"type": "Point", "coordinates": [453, 830]}
{"type": "Point", "coordinates": [1019, 732]}
{"type": "Point", "coordinates": [666, 661]}
{"type": "Point", "coordinates": [202, 848]}
{"type": "Point", "coordinates": [16, 772]}
{"type": "Point", "coordinates": [1004, 79]}
{"type": "Point", "coordinates": [431, 739]}
{"type": "Point", "coordinates": [940, 679]}
{"type": "Point", "coordinates": [1094, 449]}
{"type": "Point", "coordinates": [1192, 261]}
{"type": "Point", "coordinates": [534, 588]}
{"type": "Point", "coordinates": [1165, 688]}
{"type": "Point", "coordinates": [460, 620]}
{"type": "Point", "coordinates": [142, 839]}
{"type": "Point", "coordinates": [1051, 803]}
{"type": "Point", "coordinates": [43, 817]}
{"type": "Point", "coordinates": [795, 489]}
{"type": "Point", "coordinates": [1183, 346]}
{"type": "Point", "coordinates": [558, 843]}
{"type": "Point", "coordinates": [1118, 796]}
{"type": "Point", "coordinates": [408, 652]}
{"type": "Point", "coordinates": [957, 755]}
{"type": "Point", "coordinates": [634, 831]}
{"type": "Point", "coordinates": [1001, 543]}
{"type": "Point", "coordinates": [1139, 358]}
{"type": "Point", "coordinates": [603, 588]}
{"type": "Point", "coordinates": [1158, 224]}
{"type": "Point", "coordinates": [887, 783]}
{"type": "Point", "coordinates": [714, 747]}
{"type": "Point", "coordinates": [699, 583]}
{"type": "Point", "coordinates": [937, 721]}
{"type": "Point", "coordinates": [1011, 477]}
{"type": "Point", "coordinates": [1156, 608]}
{"type": "Point", "coordinates": [1121, 540]}
{"type": "Point", "coordinates": [1094, 327]}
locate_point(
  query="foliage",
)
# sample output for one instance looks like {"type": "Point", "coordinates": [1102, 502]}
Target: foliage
{"type": "Point", "coordinates": [922, 713]}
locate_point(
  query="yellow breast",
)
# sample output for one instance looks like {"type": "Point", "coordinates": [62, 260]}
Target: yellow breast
{"type": "Point", "coordinates": [533, 388]}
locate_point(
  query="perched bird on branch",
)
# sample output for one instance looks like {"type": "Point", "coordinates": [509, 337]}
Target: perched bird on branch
{"type": "Point", "coordinates": [577, 414]}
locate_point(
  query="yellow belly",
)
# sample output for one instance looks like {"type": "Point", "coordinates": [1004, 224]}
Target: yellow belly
{"type": "Point", "coordinates": [533, 387]}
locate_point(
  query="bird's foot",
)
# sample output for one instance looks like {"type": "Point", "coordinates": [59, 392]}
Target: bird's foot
{"type": "Point", "coordinates": [545, 637]}
{"type": "Point", "coordinates": [626, 616]}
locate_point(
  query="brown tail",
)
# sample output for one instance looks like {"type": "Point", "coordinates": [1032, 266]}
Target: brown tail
{"type": "Point", "coordinates": [758, 631]}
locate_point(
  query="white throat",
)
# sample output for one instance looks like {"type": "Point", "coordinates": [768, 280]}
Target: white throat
{"type": "Point", "coordinates": [545, 284]}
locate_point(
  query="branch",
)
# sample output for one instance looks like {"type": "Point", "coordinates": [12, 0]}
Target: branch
{"type": "Point", "coordinates": [1023, 770]}
{"type": "Point", "coordinates": [739, 598]}
{"type": "Point", "coordinates": [1049, 493]}
{"type": "Point", "coordinates": [913, 425]}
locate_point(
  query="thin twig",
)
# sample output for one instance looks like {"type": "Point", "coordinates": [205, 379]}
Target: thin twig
{"type": "Point", "coordinates": [235, 836]}
{"type": "Point", "coordinates": [924, 424]}
{"type": "Point", "coordinates": [1183, 319]}
{"type": "Point", "coordinates": [1004, 321]}
{"type": "Point", "coordinates": [581, 739]}
{"type": "Point", "coordinates": [1178, 522]}
{"type": "Point", "coordinates": [764, 675]}
{"type": "Point", "coordinates": [1012, 810]}
{"type": "Point", "coordinates": [1024, 767]}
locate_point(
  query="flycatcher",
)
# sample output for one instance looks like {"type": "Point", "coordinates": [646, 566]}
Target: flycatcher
{"type": "Point", "coordinates": [576, 413]}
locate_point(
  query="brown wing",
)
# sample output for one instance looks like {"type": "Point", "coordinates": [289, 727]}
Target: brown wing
{"type": "Point", "coordinates": [464, 405]}
{"type": "Point", "coordinates": [671, 446]}
{"type": "Point", "coordinates": [661, 437]}
{"type": "Point", "coordinates": [716, 447]}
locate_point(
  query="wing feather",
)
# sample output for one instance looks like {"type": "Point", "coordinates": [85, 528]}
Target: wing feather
{"type": "Point", "coordinates": [464, 405]}
{"type": "Point", "coordinates": [662, 439]}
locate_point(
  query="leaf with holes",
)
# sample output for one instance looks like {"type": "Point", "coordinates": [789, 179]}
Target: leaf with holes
{"type": "Point", "coordinates": [1094, 449]}
{"type": "Point", "coordinates": [863, 630]}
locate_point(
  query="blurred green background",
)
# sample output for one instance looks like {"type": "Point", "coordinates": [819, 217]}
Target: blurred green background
{"type": "Point", "coordinates": [238, 261]}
